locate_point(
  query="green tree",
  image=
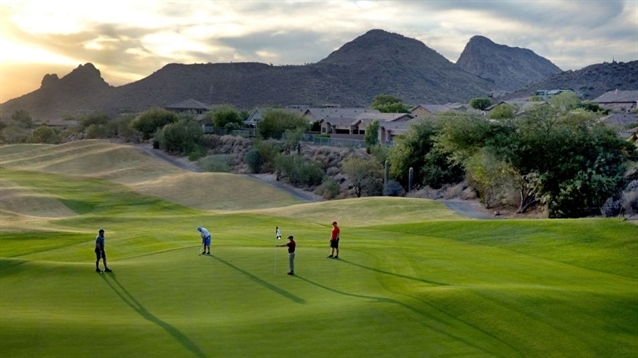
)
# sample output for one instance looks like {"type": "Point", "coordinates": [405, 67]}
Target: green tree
{"type": "Point", "coordinates": [45, 134]}
{"type": "Point", "coordinates": [502, 111]}
{"type": "Point", "coordinates": [185, 137]}
{"type": "Point", "coordinates": [371, 136]}
{"type": "Point", "coordinates": [566, 161]}
{"type": "Point", "coordinates": [386, 103]}
{"type": "Point", "coordinates": [364, 174]}
{"type": "Point", "coordinates": [594, 107]}
{"type": "Point", "coordinates": [15, 132]}
{"type": "Point", "coordinates": [98, 119]}
{"type": "Point", "coordinates": [431, 165]}
{"type": "Point", "coordinates": [480, 103]}
{"type": "Point", "coordinates": [153, 119]}
{"type": "Point", "coordinates": [492, 178]}
{"type": "Point", "coordinates": [276, 121]}
{"type": "Point", "coordinates": [565, 101]}
{"type": "Point", "coordinates": [576, 162]}
{"type": "Point", "coordinates": [299, 171]}
{"type": "Point", "coordinates": [227, 117]}
{"type": "Point", "coordinates": [22, 117]}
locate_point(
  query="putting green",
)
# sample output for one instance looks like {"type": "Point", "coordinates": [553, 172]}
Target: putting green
{"type": "Point", "coordinates": [413, 279]}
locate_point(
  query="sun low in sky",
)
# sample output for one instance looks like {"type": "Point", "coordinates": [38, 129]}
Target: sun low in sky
{"type": "Point", "coordinates": [129, 40]}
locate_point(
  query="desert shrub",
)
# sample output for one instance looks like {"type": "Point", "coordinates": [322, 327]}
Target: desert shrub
{"type": "Point", "coordinates": [299, 171]}
{"type": "Point", "coordinates": [329, 188]}
{"type": "Point", "coordinates": [94, 119]}
{"type": "Point", "coordinates": [184, 137]}
{"type": "Point", "coordinates": [45, 134]}
{"type": "Point", "coordinates": [276, 121]}
{"type": "Point", "coordinates": [502, 111]}
{"type": "Point", "coordinates": [480, 103]}
{"type": "Point", "coordinates": [630, 198]}
{"type": "Point", "coordinates": [121, 127]}
{"type": "Point", "coordinates": [219, 163]}
{"type": "Point", "coordinates": [254, 160]}
{"type": "Point", "coordinates": [15, 133]}
{"type": "Point", "coordinates": [268, 150]}
{"type": "Point", "coordinates": [454, 191]}
{"type": "Point", "coordinates": [98, 131]}
{"type": "Point", "coordinates": [393, 188]}
{"type": "Point", "coordinates": [630, 202]}
{"type": "Point", "coordinates": [153, 119]}
{"type": "Point", "coordinates": [372, 187]}
{"type": "Point", "coordinates": [611, 208]}
{"type": "Point", "coordinates": [380, 153]}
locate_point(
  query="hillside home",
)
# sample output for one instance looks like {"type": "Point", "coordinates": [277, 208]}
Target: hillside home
{"type": "Point", "coordinates": [388, 131]}
{"type": "Point", "coordinates": [623, 120]}
{"type": "Point", "coordinates": [316, 114]}
{"type": "Point", "coordinates": [354, 128]}
{"type": "Point", "coordinates": [623, 101]}
{"type": "Point", "coordinates": [189, 105]}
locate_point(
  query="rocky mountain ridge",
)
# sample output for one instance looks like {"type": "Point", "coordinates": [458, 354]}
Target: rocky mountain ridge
{"type": "Point", "coordinates": [510, 68]}
{"type": "Point", "coordinates": [374, 63]}
{"type": "Point", "coordinates": [589, 82]}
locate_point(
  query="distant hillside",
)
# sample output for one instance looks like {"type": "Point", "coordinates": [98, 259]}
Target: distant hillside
{"type": "Point", "coordinates": [510, 68]}
{"type": "Point", "coordinates": [382, 62]}
{"type": "Point", "coordinates": [374, 63]}
{"type": "Point", "coordinates": [590, 82]}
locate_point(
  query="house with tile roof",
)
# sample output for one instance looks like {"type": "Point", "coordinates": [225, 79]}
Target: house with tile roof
{"type": "Point", "coordinates": [189, 105]}
{"type": "Point", "coordinates": [425, 110]}
{"type": "Point", "coordinates": [622, 101]}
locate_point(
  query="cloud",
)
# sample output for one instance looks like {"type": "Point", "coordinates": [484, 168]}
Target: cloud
{"type": "Point", "coordinates": [135, 38]}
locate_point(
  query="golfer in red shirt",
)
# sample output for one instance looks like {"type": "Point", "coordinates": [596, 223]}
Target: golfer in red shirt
{"type": "Point", "coordinates": [334, 241]}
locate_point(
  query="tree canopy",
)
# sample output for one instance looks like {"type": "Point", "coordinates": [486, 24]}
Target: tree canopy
{"type": "Point", "coordinates": [277, 121]}
{"type": "Point", "coordinates": [386, 103]}
{"type": "Point", "coordinates": [148, 122]}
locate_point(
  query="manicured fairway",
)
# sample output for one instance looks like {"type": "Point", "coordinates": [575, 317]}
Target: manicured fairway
{"type": "Point", "coordinates": [413, 280]}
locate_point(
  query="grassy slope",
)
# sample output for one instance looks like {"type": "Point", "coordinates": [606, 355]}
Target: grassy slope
{"type": "Point", "coordinates": [414, 279]}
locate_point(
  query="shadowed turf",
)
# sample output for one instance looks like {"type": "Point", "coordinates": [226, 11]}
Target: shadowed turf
{"type": "Point", "coordinates": [414, 279]}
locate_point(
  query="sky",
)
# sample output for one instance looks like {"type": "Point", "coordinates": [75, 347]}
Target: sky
{"type": "Point", "coordinates": [128, 40]}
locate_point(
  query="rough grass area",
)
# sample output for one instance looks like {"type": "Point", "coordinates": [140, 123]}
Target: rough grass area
{"type": "Point", "coordinates": [413, 278]}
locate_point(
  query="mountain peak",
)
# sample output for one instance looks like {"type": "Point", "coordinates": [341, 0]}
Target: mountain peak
{"type": "Point", "coordinates": [509, 68]}
{"type": "Point", "coordinates": [380, 46]}
{"type": "Point", "coordinates": [84, 76]}
{"type": "Point", "coordinates": [478, 39]}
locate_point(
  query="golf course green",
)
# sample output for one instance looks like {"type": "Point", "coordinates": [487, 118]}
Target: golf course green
{"type": "Point", "coordinates": [413, 279]}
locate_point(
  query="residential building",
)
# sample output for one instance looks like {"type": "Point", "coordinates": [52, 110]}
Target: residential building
{"type": "Point", "coordinates": [622, 101]}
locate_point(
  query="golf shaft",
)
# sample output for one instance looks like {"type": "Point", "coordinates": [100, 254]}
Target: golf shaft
{"type": "Point", "coordinates": [275, 260]}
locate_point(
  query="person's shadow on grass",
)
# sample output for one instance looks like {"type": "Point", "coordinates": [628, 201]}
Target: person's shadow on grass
{"type": "Point", "coordinates": [262, 282]}
{"type": "Point", "coordinates": [432, 319]}
{"type": "Point", "coordinates": [393, 274]}
{"type": "Point", "coordinates": [126, 296]}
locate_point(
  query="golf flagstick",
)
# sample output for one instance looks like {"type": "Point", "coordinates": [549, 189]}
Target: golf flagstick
{"type": "Point", "coordinates": [277, 236]}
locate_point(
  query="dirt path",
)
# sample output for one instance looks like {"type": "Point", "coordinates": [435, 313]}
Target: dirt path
{"type": "Point", "coordinates": [470, 209]}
